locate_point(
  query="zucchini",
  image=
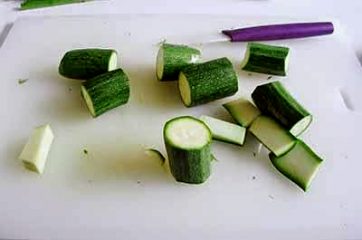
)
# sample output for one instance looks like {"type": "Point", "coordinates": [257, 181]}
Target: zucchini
{"type": "Point", "coordinates": [225, 131]}
{"type": "Point", "coordinates": [188, 145]}
{"type": "Point", "coordinates": [34, 154]}
{"type": "Point", "coordinates": [272, 135]}
{"type": "Point", "coordinates": [242, 111]}
{"type": "Point", "coordinates": [106, 92]}
{"type": "Point", "coordinates": [87, 63]}
{"type": "Point", "coordinates": [172, 58]}
{"type": "Point", "coordinates": [266, 59]}
{"type": "Point", "coordinates": [300, 164]}
{"type": "Point", "coordinates": [274, 100]}
{"type": "Point", "coordinates": [32, 4]}
{"type": "Point", "coordinates": [206, 82]}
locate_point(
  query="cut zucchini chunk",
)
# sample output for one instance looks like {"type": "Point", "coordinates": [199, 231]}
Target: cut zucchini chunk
{"type": "Point", "coordinates": [188, 145]}
{"type": "Point", "coordinates": [106, 92]}
{"type": "Point", "coordinates": [206, 82]}
{"type": "Point", "coordinates": [85, 64]}
{"type": "Point", "coordinates": [171, 59]}
{"type": "Point", "coordinates": [35, 152]}
{"type": "Point", "coordinates": [243, 111]}
{"type": "Point", "coordinates": [275, 100]}
{"type": "Point", "coordinates": [266, 59]}
{"type": "Point", "coordinates": [225, 131]}
{"type": "Point", "coordinates": [272, 135]}
{"type": "Point", "coordinates": [300, 164]}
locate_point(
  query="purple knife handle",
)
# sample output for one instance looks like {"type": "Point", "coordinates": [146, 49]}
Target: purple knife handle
{"type": "Point", "coordinates": [280, 31]}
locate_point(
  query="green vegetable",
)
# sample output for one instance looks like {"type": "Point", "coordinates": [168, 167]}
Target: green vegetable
{"type": "Point", "coordinates": [35, 152]}
{"type": "Point", "coordinates": [171, 59]}
{"type": "Point", "coordinates": [188, 145]}
{"type": "Point", "coordinates": [300, 164]}
{"type": "Point", "coordinates": [243, 111]}
{"type": "Point", "coordinates": [225, 131]}
{"type": "Point", "coordinates": [209, 81]}
{"type": "Point", "coordinates": [272, 135]}
{"type": "Point", "coordinates": [31, 4]}
{"type": "Point", "coordinates": [87, 63]}
{"type": "Point", "coordinates": [106, 92]}
{"type": "Point", "coordinates": [158, 154]}
{"type": "Point", "coordinates": [274, 100]}
{"type": "Point", "coordinates": [266, 59]}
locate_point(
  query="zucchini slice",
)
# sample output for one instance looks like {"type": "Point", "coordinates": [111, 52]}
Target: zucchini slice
{"type": "Point", "coordinates": [272, 135]}
{"type": "Point", "coordinates": [300, 164]}
{"type": "Point", "coordinates": [266, 59]}
{"type": "Point", "coordinates": [188, 145]}
{"type": "Point", "coordinates": [106, 92]}
{"type": "Point", "coordinates": [275, 100]}
{"type": "Point", "coordinates": [206, 82]}
{"type": "Point", "coordinates": [172, 58]}
{"type": "Point", "coordinates": [35, 152]}
{"type": "Point", "coordinates": [84, 64]}
{"type": "Point", "coordinates": [225, 131]}
{"type": "Point", "coordinates": [243, 111]}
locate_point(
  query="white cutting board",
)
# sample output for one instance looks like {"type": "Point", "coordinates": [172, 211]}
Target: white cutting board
{"type": "Point", "coordinates": [117, 192]}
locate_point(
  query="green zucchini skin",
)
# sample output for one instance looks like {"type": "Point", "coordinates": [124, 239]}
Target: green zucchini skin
{"type": "Point", "coordinates": [273, 99]}
{"type": "Point", "coordinates": [106, 91]}
{"type": "Point", "coordinates": [32, 4]}
{"type": "Point", "coordinates": [266, 59]}
{"type": "Point", "coordinates": [301, 168]}
{"type": "Point", "coordinates": [172, 58]}
{"type": "Point", "coordinates": [85, 64]}
{"type": "Point", "coordinates": [208, 81]}
{"type": "Point", "coordinates": [188, 165]}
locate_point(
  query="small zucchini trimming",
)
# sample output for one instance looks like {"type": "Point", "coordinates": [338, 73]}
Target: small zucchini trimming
{"type": "Point", "coordinates": [242, 111]}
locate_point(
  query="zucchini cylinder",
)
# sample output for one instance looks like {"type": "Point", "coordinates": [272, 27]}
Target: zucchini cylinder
{"type": "Point", "coordinates": [300, 164]}
{"type": "Point", "coordinates": [106, 92]}
{"type": "Point", "coordinates": [188, 145]}
{"type": "Point", "coordinates": [171, 59]}
{"type": "Point", "coordinates": [275, 100]}
{"type": "Point", "coordinates": [84, 64]}
{"type": "Point", "coordinates": [206, 82]}
{"type": "Point", "coordinates": [266, 59]}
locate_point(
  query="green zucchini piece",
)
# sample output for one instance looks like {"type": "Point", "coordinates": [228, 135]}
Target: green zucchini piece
{"type": "Point", "coordinates": [84, 64]}
{"type": "Point", "coordinates": [242, 111]}
{"type": "Point", "coordinates": [35, 152]}
{"type": "Point", "coordinates": [188, 145]}
{"type": "Point", "coordinates": [272, 135]}
{"type": "Point", "coordinates": [225, 131]}
{"type": "Point", "coordinates": [275, 100]}
{"type": "Point", "coordinates": [106, 92]}
{"type": "Point", "coordinates": [32, 4]}
{"type": "Point", "coordinates": [266, 59]}
{"type": "Point", "coordinates": [206, 82]}
{"type": "Point", "coordinates": [154, 152]}
{"type": "Point", "coordinates": [171, 59]}
{"type": "Point", "coordinates": [300, 164]}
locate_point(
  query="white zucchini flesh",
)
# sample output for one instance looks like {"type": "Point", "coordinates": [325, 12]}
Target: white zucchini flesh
{"type": "Point", "coordinates": [185, 90]}
{"type": "Point", "coordinates": [188, 134]}
{"type": "Point", "coordinates": [35, 152]}
{"type": "Point", "coordinates": [159, 64]}
{"type": "Point", "coordinates": [88, 100]}
{"type": "Point", "coordinates": [112, 65]}
{"type": "Point", "coordinates": [225, 131]}
{"type": "Point", "coordinates": [272, 135]}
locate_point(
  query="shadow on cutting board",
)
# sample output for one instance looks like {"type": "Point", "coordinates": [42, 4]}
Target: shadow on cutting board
{"type": "Point", "coordinates": [5, 33]}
